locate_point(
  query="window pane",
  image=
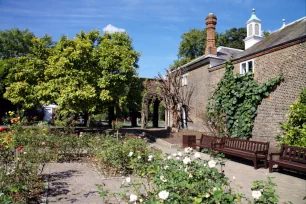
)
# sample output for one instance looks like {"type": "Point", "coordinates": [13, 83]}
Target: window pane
{"type": "Point", "coordinates": [256, 29]}
{"type": "Point", "coordinates": [243, 70]}
{"type": "Point", "coordinates": [250, 65]}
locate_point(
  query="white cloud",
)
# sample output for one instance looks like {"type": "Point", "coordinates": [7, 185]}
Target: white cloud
{"type": "Point", "coordinates": [112, 29]}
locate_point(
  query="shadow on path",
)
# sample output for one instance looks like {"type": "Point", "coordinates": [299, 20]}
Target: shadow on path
{"type": "Point", "coordinates": [57, 185]}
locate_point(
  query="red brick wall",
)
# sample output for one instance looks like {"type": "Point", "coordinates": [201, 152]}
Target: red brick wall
{"type": "Point", "coordinates": [291, 61]}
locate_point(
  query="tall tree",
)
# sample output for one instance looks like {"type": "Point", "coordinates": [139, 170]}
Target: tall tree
{"type": "Point", "coordinates": [232, 38]}
{"type": "Point", "coordinates": [192, 44]}
{"type": "Point", "coordinates": [27, 73]}
{"type": "Point", "coordinates": [81, 75]}
{"type": "Point", "coordinates": [13, 43]}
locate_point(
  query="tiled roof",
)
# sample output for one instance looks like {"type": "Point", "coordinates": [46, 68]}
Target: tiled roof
{"type": "Point", "coordinates": [290, 32]}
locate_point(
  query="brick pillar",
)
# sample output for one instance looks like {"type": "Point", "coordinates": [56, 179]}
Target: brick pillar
{"type": "Point", "coordinates": [211, 21]}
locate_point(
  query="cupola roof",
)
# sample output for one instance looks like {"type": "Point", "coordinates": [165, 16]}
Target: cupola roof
{"type": "Point", "coordinates": [253, 17]}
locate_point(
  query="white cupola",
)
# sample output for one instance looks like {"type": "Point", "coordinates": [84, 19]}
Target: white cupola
{"type": "Point", "coordinates": [253, 31]}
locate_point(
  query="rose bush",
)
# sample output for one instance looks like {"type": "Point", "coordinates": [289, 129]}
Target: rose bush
{"type": "Point", "coordinates": [184, 177]}
{"type": "Point", "coordinates": [24, 153]}
{"type": "Point", "coordinates": [122, 157]}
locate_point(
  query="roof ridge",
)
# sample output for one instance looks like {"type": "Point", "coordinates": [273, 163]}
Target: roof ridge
{"type": "Point", "coordinates": [228, 48]}
{"type": "Point", "coordinates": [300, 19]}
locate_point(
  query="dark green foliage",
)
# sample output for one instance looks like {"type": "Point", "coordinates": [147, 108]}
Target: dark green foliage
{"type": "Point", "coordinates": [232, 38]}
{"type": "Point", "coordinates": [295, 128]}
{"type": "Point", "coordinates": [267, 189]}
{"type": "Point", "coordinates": [193, 44]}
{"type": "Point", "coordinates": [233, 106]}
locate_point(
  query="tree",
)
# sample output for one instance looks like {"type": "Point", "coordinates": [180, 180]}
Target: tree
{"type": "Point", "coordinates": [81, 75]}
{"type": "Point", "coordinates": [27, 72]}
{"type": "Point", "coordinates": [232, 38]}
{"type": "Point", "coordinates": [13, 43]}
{"type": "Point", "coordinates": [192, 44]}
{"type": "Point", "coordinates": [266, 33]}
{"type": "Point", "coordinates": [174, 95]}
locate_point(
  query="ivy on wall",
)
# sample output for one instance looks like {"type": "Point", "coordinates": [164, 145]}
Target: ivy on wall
{"type": "Point", "coordinates": [233, 106]}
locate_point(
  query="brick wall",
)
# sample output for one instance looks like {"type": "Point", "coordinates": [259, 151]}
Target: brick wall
{"type": "Point", "coordinates": [199, 80]}
{"type": "Point", "coordinates": [290, 61]}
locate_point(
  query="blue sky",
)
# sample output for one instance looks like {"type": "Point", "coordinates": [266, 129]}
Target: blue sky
{"type": "Point", "coordinates": [154, 25]}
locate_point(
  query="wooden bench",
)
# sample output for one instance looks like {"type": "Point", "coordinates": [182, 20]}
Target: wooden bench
{"type": "Point", "coordinates": [251, 150]}
{"type": "Point", "coordinates": [206, 142]}
{"type": "Point", "coordinates": [290, 157]}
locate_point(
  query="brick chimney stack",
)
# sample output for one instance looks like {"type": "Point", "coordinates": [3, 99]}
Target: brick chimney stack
{"type": "Point", "coordinates": [211, 21]}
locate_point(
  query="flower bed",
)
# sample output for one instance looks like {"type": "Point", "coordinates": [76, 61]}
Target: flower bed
{"type": "Point", "coordinates": [180, 178]}
{"type": "Point", "coordinates": [24, 153]}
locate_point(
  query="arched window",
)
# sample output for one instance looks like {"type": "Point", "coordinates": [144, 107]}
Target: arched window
{"type": "Point", "coordinates": [250, 30]}
{"type": "Point", "coordinates": [256, 29]}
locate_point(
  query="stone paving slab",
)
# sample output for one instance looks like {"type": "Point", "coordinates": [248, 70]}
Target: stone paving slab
{"type": "Point", "coordinates": [77, 183]}
{"type": "Point", "coordinates": [289, 187]}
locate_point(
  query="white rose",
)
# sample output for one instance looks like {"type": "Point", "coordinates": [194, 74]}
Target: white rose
{"type": "Point", "coordinates": [163, 179]}
{"type": "Point", "coordinates": [197, 155]}
{"type": "Point", "coordinates": [178, 158]}
{"type": "Point", "coordinates": [131, 154]}
{"type": "Point", "coordinates": [212, 163]}
{"type": "Point", "coordinates": [128, 179]}
{"type": "Point", "coordinates": [166, 167]}
{"type": "Point", "coordinates": [133, 198]}
{"type": "Point", "coordinates": [188, 149]}
{"type": "Point", "coordinates": [207, 195]}
{"type": "Point", "coordinates": [256, 194]}
{"type": "Point", "coordinates": [187, 160]}
{"type": "Point", "coordinates": [150, 157]}
{"type": "Point", "coordinates": [163, 195]}
{"type": "Point", "coordinates": [24, 152]}
{"type": "Point", "coordinates": [180, 154]}
{"type": "Point", "coordinates": [139, 157]}
{"type": "Point", "coordinates": [214, 189]}
{"type": "Point", "coordinates": [174, 154]}
{"type": "Point", "coordinates": [169, 157]}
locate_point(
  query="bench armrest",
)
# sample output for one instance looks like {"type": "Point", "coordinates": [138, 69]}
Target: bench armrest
{"type": "Point", "coordinates": [274, 154]}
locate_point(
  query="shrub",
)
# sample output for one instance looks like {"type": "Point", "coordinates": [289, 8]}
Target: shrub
{"type": "Point", "coordinates": [124, 156]}
{"type": "Point", "coordinates": [294, 130]}
{"type": "Point", "coordinates": [179, 178]}
{"type": "Point", "coordinates": [264, 192]}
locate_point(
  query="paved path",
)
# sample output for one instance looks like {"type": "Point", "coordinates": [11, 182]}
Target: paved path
{"type": "Point", "coordinates": [289, 187]}
{"type": "Point", "coordinates": [76, 183]}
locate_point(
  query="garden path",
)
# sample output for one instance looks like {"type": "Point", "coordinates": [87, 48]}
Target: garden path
{"type": "Point", "coordinates": [76, 183]}
{"type": "Point", "coordinates": [290, 187]}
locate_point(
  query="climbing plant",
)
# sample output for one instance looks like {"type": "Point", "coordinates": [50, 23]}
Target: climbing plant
{"type": "Point", "coordinates": [233, 106]}
{"type": "Point", "coordinates": [295, 128]}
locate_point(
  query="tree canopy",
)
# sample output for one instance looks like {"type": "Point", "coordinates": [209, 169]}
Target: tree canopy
{"type": "Point", "coordinates": [232, 38]}
{"type": "Point", "coordinates": [80, 75]}
{"type": "Point", "coordinates": [193, 43]}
